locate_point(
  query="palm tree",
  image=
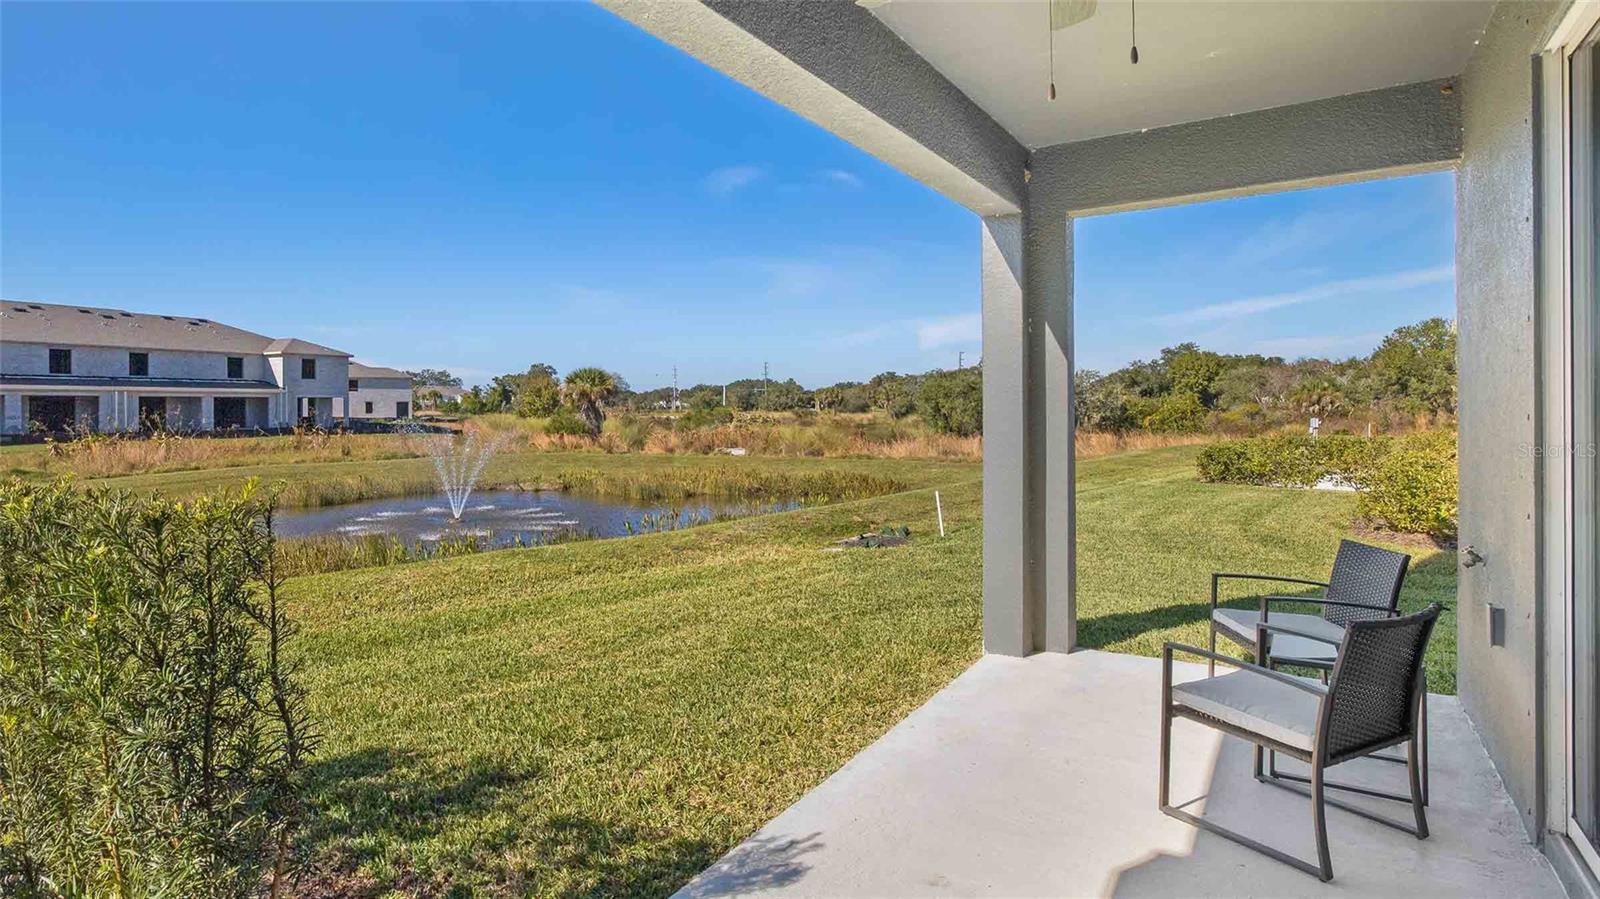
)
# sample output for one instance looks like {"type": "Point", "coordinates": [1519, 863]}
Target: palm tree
{"type": "Point", "coordinates": [588, 390]}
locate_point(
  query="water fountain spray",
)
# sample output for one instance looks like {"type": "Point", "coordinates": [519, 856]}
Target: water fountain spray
{"type": "Point", "coordinates": [457, 461]}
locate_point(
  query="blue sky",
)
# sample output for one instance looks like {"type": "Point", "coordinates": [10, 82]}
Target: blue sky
{"type": "Point", "coordinates": [482, 186]}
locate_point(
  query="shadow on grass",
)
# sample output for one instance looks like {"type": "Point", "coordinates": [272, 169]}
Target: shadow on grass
{"type": "Point", "coordinates": [604, 859]}
{"type": "Point", "coordinates": [1430, 580]}
{"type": "Point", "coordinates": [365, 804]}
{"type": "Point", "coordinates": [373, 810]}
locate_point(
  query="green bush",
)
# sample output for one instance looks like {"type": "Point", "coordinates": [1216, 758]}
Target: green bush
{"type": "Point", "coordinates": [633, 431]}
{"type": "Point", "coordinates": [1291, 461]}
{"type": "Point", "coordinates": [153, 739]}
{"type": "Point", "coordinates": [699, 417]}
{"type": "Point", "coordinates": [951, 402]}
{"type": "Point", "coordinates": [565, 421]}
{"type": "Point", "coordinates": [1413, 487]}
{"type": "Point", "coordinates": [1407, 484]}
{"type": "Point", "coordinates": [1180, 413]}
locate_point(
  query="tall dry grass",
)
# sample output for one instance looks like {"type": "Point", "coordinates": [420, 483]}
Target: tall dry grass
{"type": "Point", "coordinates": [110, 455]}
{"type": "Point", "coordinates": [1088, 444]}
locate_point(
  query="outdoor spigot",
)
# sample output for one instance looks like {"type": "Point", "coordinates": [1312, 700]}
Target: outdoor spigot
{"type": "Point", "coordinates": [1470, 557]}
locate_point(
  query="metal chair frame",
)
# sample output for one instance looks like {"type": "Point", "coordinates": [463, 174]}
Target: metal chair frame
{"type": "Point", "coordinates": [1321, 756]}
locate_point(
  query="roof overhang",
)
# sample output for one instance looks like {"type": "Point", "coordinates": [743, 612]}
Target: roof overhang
{"type": "Point", "coordinates": [1228, 97]}
{"type": "Point", "coordinates": [69, 385]}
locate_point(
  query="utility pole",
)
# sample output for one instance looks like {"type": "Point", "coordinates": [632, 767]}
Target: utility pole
{"type": "Point", "coordinates": [766, 385]}
{"type": "Point", "coordinates": [675, 403]}
{"type": "Point", "coordinates": [724, 396]}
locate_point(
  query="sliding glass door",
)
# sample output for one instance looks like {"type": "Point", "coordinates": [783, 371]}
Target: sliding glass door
{"type": "Point", "coordinates": [1583, 114]}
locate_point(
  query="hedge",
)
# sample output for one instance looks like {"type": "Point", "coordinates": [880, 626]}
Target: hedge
{"type": "Point", "coordinates": [1406, 483]}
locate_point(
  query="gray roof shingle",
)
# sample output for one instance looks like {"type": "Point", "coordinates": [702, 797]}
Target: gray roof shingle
{"type": "Point", "coordinates": [24, 321]}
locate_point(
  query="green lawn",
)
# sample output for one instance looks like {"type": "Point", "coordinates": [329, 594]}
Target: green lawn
{"type": "Point", "coordinates": [607, 718]}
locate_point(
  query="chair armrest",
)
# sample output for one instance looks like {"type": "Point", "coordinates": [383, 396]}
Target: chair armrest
{"type": "Point", "coordinates": [1217, 576]}
{"type": "Point", "coordinates": [1169, 647]}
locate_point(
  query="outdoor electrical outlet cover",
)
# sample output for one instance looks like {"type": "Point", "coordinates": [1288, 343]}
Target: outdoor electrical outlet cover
{"type": "Point", "coordinates": [1497, 626]}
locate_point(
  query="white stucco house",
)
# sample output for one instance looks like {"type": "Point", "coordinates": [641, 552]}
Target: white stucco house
{"type": "Point", "coordinates": [100, 369]}
{"type": "Point", "coordinates": [377, 392]}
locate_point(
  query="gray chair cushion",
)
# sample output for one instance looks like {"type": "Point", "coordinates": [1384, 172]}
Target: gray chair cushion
{"type": "Point", "coordinates": [1241, 625]}
{"type": "Point", "coordinates": [1256, 704]}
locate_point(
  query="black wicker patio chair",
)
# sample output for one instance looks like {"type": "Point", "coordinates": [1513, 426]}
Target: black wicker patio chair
{"type": "Point", "coordinates": [1365, 584]}
{"type": "Point", "coordinates": [1371, 702]}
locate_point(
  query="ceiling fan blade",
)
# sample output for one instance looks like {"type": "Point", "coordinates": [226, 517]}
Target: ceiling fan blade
{"type": "Point", "coordinates": [1067, 13]}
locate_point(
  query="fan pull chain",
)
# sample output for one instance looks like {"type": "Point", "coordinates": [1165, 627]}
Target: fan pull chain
{"type": "Point", "coordinates": [1133, 32]}
{"type": "Point", "coordinates": [1050, 33]}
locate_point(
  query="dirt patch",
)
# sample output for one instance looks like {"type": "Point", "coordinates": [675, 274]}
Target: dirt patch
{"type": "Point", "coordinates": [896, 537]}
{"type": "Point", "coordinates": [1368, 529]}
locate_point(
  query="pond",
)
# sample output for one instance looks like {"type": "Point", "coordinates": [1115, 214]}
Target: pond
{"type": "Point", "coordinates": [504, 518]}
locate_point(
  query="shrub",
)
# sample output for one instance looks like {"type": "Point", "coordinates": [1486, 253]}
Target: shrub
{"type": "Point", "coordinates": [566, 422]}
{"type": "Point", "coordinates": [951, 402]}
{"type": "Point", "coordinates": [633, 431]}
{"type": "Point", "coordinates": [700, 417]}
{"type": "Point", "coordinates": [152, 736]}
{"type": "Point", "coordinates": [1413, 487]}
{"type": "Point", "coordinates": [1291, 460]}
{"type": "Point", "coordinates": [1407, 483]}
{"type": "Point", "coordinates": [1179, 413]}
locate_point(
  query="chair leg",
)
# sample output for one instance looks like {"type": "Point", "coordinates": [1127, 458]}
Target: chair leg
{"type": "Point", "coordinates": [1422, 741]}
{"type": "Point", "coordinates": [1164, 777]}
{"type": "Point", "coordinates": [1319, 820]}
{"type": "Point", "coordinates": [1418, 797]}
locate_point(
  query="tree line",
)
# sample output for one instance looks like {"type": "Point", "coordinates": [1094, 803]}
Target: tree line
{"type": "Point", "coordinates": [1184, 389]}
{"type": "Point", "coordinates": [1411, 374]}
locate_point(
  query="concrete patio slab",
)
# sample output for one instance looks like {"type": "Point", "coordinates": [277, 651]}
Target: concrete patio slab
{"type": "Point", "coordinates": [1037, 777]}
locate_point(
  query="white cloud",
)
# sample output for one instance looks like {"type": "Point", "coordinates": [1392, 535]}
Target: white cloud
{"type": "Point", "coordinates": [1235, 309]}
{"type": "Point", "coordinates": [952, 329]}
{"type": "Point", "coordinates": [842, 178]}
{"type": "Point", "coordinates": [731, 179]}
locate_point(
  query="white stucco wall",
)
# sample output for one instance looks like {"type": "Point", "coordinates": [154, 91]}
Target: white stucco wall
{"type": "Point", "coordinates": [332, 382]}
{"type": "Point", "coordinates": [112, 362]}
{"type": "Point", "coordinates": [382, 393]}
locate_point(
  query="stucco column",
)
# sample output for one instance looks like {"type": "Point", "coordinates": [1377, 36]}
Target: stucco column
{"type": "Point", "coordinates": [1028, 543]}
{"type": "Point", "coordinates": [12, 422]}
{"type": "Point", "coordinates": [208, 413]}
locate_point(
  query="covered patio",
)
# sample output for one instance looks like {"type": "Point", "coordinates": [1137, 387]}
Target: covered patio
{"type": "Point", "coordinates": [1036, 777]}
{"type": "Point", "coordinates": [1035, 771]}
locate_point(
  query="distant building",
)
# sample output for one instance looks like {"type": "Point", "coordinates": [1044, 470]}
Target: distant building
{"type": "Point", "coordinates": [429, 396]}
{"type": "Point", "coordinates": [97, 369]}
{"type": "Point", "coordinates": [379, 392]}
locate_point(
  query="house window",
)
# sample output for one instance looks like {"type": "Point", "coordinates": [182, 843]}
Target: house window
{"type": "Point", "coordinates": [139, 365]}
{"type": "Point", "coordinates": [369, 408]}
{"type": "Point", "coordinates": [354, 384]}
{"type": "Point", "coordinates": [308, 369]}
{"type": "Point", "coordinates": [235, 367]}
{"type": "Point", "coordinates": [61, 362]}
{"type": "Point", "coordinates": [402, 409]}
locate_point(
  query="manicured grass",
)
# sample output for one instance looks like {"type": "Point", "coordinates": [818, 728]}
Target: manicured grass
{"type": "Point", "coordinates": [607, 718]}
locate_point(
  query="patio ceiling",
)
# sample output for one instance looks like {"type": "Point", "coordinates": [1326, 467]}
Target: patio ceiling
{"type": "Point", "coordinates": [1198, 60]}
